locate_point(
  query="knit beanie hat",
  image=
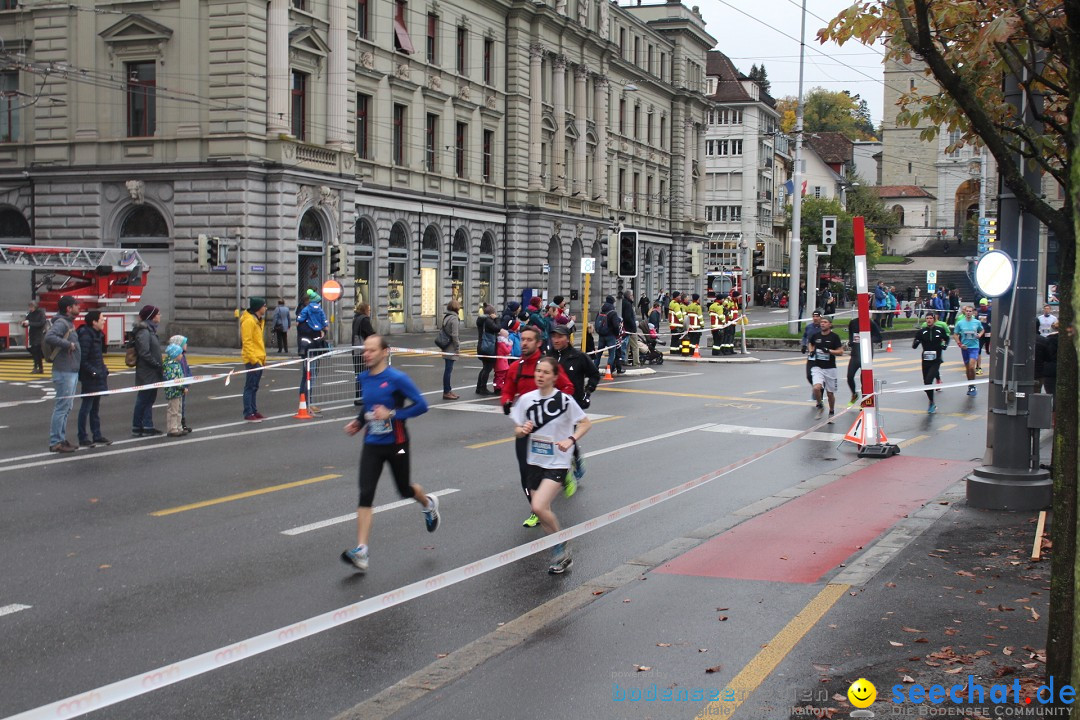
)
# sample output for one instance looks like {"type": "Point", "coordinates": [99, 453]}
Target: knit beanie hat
{"type": "Point", "coordinates": [148, 312]}
{"type": "Point", "coordinates": [178, 340]}
{"type": "Point", "coordinates": [173, 351]}
{"type": "Point", "coordinates": [313, 296]}
{"type": "Point", "coordinates": [256, 303]}
{"type": "Point", "coordinates": [536, 302]}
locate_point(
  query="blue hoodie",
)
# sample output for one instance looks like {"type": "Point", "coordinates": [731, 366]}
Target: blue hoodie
{"type": "Point", "coordinates": [390, 388]}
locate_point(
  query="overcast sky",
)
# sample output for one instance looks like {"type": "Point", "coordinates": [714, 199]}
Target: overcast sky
{"type": "Point", "coordinates": [758, 34]}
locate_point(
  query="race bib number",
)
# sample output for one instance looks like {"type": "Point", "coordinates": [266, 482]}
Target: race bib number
{"type": "Point", "coordinates": [822, 355]}
{"type": "Point", "coordinates": [379, 427]}
{"type": "Point", "coordinates": [541, 446]}
{"type": "Point", "coordinates": [929, 355]}
{"type": "Point", "coordinates": [969, 336]}
{"type": "Point", "coordinates": [854, 338]}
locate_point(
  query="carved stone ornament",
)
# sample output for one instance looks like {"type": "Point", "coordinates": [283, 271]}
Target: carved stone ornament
{"type": "Point", "coordinates": [603, 29]}
{"type": "Point", "coordinates": [465, 93]}
{"type": "Point", "coordinates": [367, 60]}
{"type": "Point", "coordinates": [557, 227]}
{"type": "Point", "coordinates": [435, 82]}
{"type": "Point", "coordinates": [288, 151]}
{"type": "Point", "coordinates": [490, 102]}
{"type": "Point", "coordinates": [536, 50]}
{"type": "Point", "coordinates": [402, 71]}
{"type": "Point", "coordinates": [303, 196]}
{"type": "Point", "coordinates": [579, 230]}
{"type": "Point", "coordinates": [136, 189]}
{"type": "Point", "coordinates": [560, 63]}
{"type": "Point", "coordinates": [583, 11]}
{"type": "Point", "coordinates": [328, 197]}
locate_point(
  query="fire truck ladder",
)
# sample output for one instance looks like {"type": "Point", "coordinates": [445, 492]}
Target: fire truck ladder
{"type": "Point", "coordinates": [42, 257]}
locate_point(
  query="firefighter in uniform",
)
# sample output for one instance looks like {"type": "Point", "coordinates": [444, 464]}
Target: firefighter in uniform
{"type": "Point", "coordinates": [731, 314]}
{"type": "Point", "coordinates": [694, 320]}
{"type": "Point", "coordinates": [676, 315]}
{"type": "Point", "coordinates": [716, 322]}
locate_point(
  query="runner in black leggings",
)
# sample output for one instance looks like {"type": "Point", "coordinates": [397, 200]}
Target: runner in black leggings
{"type": "Point", "coordinates": [934, 339]}
{"type": "Point", "coordinates": [855, 360]}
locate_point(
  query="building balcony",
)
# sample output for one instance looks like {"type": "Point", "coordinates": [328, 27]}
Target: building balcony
{"type": "Point", "coordinates": [318, 158]}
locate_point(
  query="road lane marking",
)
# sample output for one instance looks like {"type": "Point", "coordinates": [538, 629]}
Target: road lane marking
{"type": "Point", "coordinates": [243, 495]}
{"type": "Point", "coordinates": [13, 608]}
{"type": "Point", "coordinates": [352, 516]}
{"type": "Point", "coordinates": [500, 441]}
{"type": "Point", "coordinates": [912, 441]}
{"type": "Point", "coordinates": [950, 426]}
{"type": "Point", "coordinates": [225, 397]}
{"type": "Point", "coordinates": [757, 392]}
{"type": "Point", "coordinates": [623, 446]}
{"type": "Point", "coordinates": [763, 664]}
{"type": "Point", "coordinates": [778, 433]}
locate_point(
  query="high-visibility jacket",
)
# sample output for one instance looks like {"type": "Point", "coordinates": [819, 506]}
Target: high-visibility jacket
{"type": "Point", "coordinates": [693, 316]}
{"type": "Point", "coordinates": [716, 314]}
{"type": "Point", "coordinates": [731, 311]}
{"type": "Point", "coordinates": [676, 313]}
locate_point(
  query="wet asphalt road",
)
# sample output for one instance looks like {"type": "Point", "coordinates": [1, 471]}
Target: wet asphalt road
{"type": "Point", "coordinates": [116, 591]}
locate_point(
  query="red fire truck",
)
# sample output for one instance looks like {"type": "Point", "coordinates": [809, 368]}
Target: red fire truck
{"type": "Point", "coordinates": [107, 279]}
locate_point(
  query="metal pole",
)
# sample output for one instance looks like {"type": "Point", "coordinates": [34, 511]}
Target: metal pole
{"type": "Point", "coordinates": [796, 202]}
{"type": "Point", "coordinates": [811, 278]}
{"type": "Point", "coordinates": [1007, 481]}
{"type": "Point", "coordinates": [585, 313]}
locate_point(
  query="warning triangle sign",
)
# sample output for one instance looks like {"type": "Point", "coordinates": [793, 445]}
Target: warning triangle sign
{"type": "Point", "coordinates": [857, 433]}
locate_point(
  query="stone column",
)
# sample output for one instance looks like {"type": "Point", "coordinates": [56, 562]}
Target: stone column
{"type": "Point", "coordinates": [338, 78]}
{"type": "Point", "coordinates": [699, 138]}
{"type": "Point", "coordinates": [600, 102]}
{"type": "Point", "coordinates": [536, 88]}
{"type": "Point", "coordinates": [277, 68]}
{"type": "Point", "coordinates": [688, 168]}
{"type": "Point", "coordinates": [580, 75]}
{"type": "Point", "coordinates": [558, 82]}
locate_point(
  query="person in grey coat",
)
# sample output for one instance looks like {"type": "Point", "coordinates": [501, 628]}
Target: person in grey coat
{"type": "Point", "coordinates": [148, 369]}
{"type": "Point", "coordinates": [36, 323]}
{"type": "Point", "coordinates": [280, 322]}
{"type": "Point", "coordinates": [451, 323]}
{"type": "Point", "coordinates": [62, 348]}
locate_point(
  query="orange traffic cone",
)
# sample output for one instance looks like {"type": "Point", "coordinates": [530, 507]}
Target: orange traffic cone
{"type": "Point", "coordinates": [888, 348]}
{"type": "Point", "coordinates": [608, 375]}
{"type": "Point", "coordinates": [302, 413]}
{"type": "Point", "coordinates": [696, 353]}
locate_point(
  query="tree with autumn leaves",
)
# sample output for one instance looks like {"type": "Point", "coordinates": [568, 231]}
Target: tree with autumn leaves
{"type": "Point", "coordinates": [968, 48]}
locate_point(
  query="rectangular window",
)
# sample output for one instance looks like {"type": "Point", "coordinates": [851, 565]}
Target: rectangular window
{"type": "Point", "coordinates": [431, 143]}
{"type": "Point", "coordinates": [398, 138]}
{"type": "Point", "coordinates": [736, 213]}
{"type": "Point", "coordinates": [402, 41]}
{"type": "Point", "coordinates": [637, 51]}
{"type": "Point", "coordinates": [663, 194]}
{"type": "Point", "coordinates": [300, 4]}
{"type": "Point", "coordinates": [622, 43]}
{"type": "Point", "coordinates": [298, 117]}
{"type": "Point", "coordinates": [363, 18]}
{"type": "Point", "coordinates": [141, 99]}
{"type": "Point", "coordinates": [637, 122]}
{"type": "Point", "coordinates": [9, 100]}
{"type": "Point", "coordinates": [648, 128]}
{"type": "Point", "coordinates": [622, 117]}
{"type": "Point", "coordinates": [489, 59]}
{"type": "Point", "coordinates": [488, 159]}
{"type": "Point", "coordinates": [736, 147]}
{"type": "Point", "coordinates": [663, 65]}
{"type": "Point", "coordinates": [663, 132]}
{"type": "Point", "coordinates": [619, 202]}
{"type": "Point", "coordinates": [648, 194]}
{"type": "Point", "coordinates": [817, 191]}
{"type": "Point", "coordinates": [363, 124]}
{"type": "Point", "coordinates": [462, 51]}
{"type": "Point", "coordinates": [634, 191]}
{"type": "Point", "coordinates": [433, 38]}
{"type": "Point", "coordinates": [460, 137]}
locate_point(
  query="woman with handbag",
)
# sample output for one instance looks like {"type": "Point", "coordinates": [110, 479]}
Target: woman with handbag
{"type": "Point", "coordinates": [449, 341]}
{"type": "Point", "coordinates": [487, 331]}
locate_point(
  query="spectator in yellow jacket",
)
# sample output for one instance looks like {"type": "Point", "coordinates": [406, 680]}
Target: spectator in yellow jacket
{"type": "Point", "coordinates": [253, 352]}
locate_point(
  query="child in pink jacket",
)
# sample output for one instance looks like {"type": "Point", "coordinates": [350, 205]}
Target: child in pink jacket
{"type": "Point", "coordinates": [503, 350]}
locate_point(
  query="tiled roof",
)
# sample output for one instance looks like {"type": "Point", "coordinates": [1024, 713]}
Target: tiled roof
{"type": "Point", "coordinates": [900, 191]}
{"type": "Point", "coordinates": [832, 147]}
{"type": "Point", "coordinates": [729, 86]}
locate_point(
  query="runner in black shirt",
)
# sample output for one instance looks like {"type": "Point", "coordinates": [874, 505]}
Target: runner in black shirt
{"type": "Point", "coordinates": [822, 349]}
{"type": "Point", "coordinates": [934, 340]}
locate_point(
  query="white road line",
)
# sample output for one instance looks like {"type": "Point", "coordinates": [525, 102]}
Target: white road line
{"type": "Point", "coordinates": [9, 609]}
{"type": "Point", "coordinates": [225, 397]}
{"type": "Point", "coordinates": [613, 448]}
{"type": "Point", "coordinates": [778, 433]}
{"type": "Point", "coordinates": [161, 405]}
{"type": "Point", "coordinates": [415, 365]}
{"type": "Point", "coordinates": [352, 516]}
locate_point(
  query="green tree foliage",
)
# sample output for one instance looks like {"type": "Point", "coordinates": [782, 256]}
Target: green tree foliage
{"type": "Point", "coordinates": [760, 76]}
{"type": "Point", "coordinates": [829, 111]}
{"type": "Point", "coordinates": [843, 253]}
{"type": "Point", "coordinates": [967, 48]}
{"type": "Point", "coordinates": [862, 200]}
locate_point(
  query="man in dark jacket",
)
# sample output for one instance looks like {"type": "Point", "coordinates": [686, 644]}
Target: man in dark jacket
{"type": "Point", "coordinates": [148, 369]}
{"type": "Point", "coordinates": [35, 323]}
{"type": "Point", "coordinates": [62, 346]}
{"type": "Point", "coordinates": [582, 373]}
{"type": "Point", "coordinates": [609, 329]}
{"type": "Point", "coordinates": [93, 374]}
{"type": "Point", "coordinates": [487, 332]}
{"type": "Point", "coordinates": [630, 325]}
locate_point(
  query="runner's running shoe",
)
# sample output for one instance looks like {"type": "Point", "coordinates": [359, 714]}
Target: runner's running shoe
{"type": "Point", "coordinates": [357, 557]}
{"type": "Point", "coordinates": [579, 467]}
{"type": "Point", "coordinates": [972, 391]}
{"type": "Point", "coordinates": [531, 521]}
{"type": "Point", "coordinates": [932, 409]}
{"type": "Point", "coordinates": [431, 514]}
{"type": "Point", "coordinates": [854, 399]}
{"type": "Point", "coordinates": [569, 484]}
{"type": "Point", "coordinates": [562, 560]}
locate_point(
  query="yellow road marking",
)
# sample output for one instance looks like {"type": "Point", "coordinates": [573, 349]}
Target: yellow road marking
{"type": "Point", "coordinates": [241, 496]}
{"type": "Point", "coordinates": [755, 672]}
{"type": "Point", "coordinates": [911, 441]}
{"type": "Point", "coordinates": [500, 441]}
{"type": "Point", "coordinates": [950, 426]}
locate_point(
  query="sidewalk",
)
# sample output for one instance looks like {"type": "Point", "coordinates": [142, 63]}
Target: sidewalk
{"type": "Point", "coordinates": [877, 570]}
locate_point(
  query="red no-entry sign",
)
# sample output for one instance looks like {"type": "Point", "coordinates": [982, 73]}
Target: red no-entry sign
{"type": "Point", "coordinates": [331, 290]}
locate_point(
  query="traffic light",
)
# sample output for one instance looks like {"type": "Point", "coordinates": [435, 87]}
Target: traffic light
{"type": "Point", "coordinates": [213, 252]}
{"type": "Point", "coordinates": [204, 251]}
{"type": "Point", "coordinates": [337, 260]}
{"type": "Point", "coordinates": [697, 260]}
{"type": "Point", "coordinates": [628, 253]}
{"type": "Point", "coordinates": [828, 230]}
{"type": "Point", "coordinates": [759, 259]}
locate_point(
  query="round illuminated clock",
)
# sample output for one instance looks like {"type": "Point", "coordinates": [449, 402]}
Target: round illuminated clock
{"type": "Point", "coordinates": [994, 273]}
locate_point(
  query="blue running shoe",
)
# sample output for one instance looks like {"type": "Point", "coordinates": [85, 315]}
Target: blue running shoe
{"type": "Point", "coordinates": [932, 409]}
{"type": "Point", "coordinates": [357, 557]}
{"type": "Point", "coordinates": [561, 560]}
{"type": "Point", "coordinates": [972, 392]}
{"type": "Point", "coordinates": [431, 514]}
{"type": "Point", "coordinates": [579, 467]}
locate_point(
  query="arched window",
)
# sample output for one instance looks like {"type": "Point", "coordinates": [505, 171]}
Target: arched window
{"type": "Point", "coordinates": [554, 261]}
{"type": "Point", "coordinates": [459, 269]}
{"type": "Point", "coordinates": [144, 222]}
{"type": "Point", "coordinates": [309, 254]}
{"type": "Point", "coordinates": [13, 225]}
{"type": "Point", "coordinates": [397, 258]}
{"type": "Point", "coordinates": [363, 256]}
{"type": "Point", "coordinates": [429, 271]}
{"type": "Point", "coordinates": [898, 211]}
{"type": "Point", "coordinates": [486, 274]}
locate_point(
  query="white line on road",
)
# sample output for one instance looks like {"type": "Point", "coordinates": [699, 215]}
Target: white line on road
{"type": "Point", "coordinates": [414, 365]}
{"type": "Point", "coordinates": [613, 448]}
{"type": "Point", "coordinates": [9, 609]}
{"type": "Point", "coordinates": [779, 433]}
{"type": "Point", "coordinates": [352, 516]}
{"type": "Point", "coordinates": [225, 397]}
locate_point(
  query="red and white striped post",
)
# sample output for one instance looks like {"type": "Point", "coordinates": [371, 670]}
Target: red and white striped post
{"type": "Point", "coordinates": [869, 404]}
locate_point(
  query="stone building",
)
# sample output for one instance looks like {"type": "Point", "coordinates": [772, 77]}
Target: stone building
{"type": "Point", "coordinates": [452, 148]}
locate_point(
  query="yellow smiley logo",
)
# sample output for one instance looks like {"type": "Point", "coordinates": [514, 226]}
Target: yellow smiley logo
{"type": "Point", "coordinates": [862, 693]}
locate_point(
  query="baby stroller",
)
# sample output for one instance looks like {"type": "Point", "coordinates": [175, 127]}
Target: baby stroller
{"type": "Point", "coordinates": [652, 356]}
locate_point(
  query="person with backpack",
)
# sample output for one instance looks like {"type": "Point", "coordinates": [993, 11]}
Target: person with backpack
{"type": "Point", "coordinates": [93, 374]}
{"type": "Point", "coordinates": [450, 333]}
{"type": "Point", "coordinates": [310, 336]}
{"type": "Point", "coordinates": [608, 326]}
{"type": "Point", "coordinates": [149, 369]}
{"type": "Point", "coordinates": [63, 351]}
{"type": "Point", "coordinates": [487, 333]}
{"type": "Point", "coordinates": [540, 319]}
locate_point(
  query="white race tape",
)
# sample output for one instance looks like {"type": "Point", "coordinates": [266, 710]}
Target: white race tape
{"type": "Point", "coordinates": [147, 682]}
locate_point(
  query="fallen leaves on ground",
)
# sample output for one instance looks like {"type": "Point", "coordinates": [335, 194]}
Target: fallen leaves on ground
{"type": "Point", "coordinates": [713, 669]}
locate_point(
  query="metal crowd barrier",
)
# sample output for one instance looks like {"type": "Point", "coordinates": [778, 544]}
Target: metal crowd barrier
{"type": "Point", "coordinates": [333, 375]}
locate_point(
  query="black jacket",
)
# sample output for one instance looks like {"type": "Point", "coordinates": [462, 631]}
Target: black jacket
{"type": "Point", "coordinates": [93, 373]}
{"type": "Point", "coordinates": [933, 338]}
{"type": "Point", "coordinates": [581, 371]}
{"type": "Point", "coordinates": [628, 317]}
{"type": "Point", "coordinates": [361, 329]}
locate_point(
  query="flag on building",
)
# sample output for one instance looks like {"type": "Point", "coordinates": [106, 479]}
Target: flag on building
{"type": "Point", "coordinates": [789, 187]}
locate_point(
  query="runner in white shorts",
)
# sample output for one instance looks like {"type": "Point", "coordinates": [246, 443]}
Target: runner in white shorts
{"type": "Point", "coordinates": [823, 348]}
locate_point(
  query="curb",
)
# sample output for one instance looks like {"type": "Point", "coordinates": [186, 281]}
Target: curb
{"type": "Point", "coordinates": [462, 661]}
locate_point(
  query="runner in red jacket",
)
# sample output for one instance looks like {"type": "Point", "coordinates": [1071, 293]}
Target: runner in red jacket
{"type": "Point", "coordinates": [519, 380]}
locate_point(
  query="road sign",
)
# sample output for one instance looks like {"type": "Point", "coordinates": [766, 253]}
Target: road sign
{"type": "Point", "coordinates": [588, 265]}
{"type": "Point", "coordinates": [331, 290]}
{"type": "Point", "coordinates": [258, 268]}
{"type": "Point", "coordinates": [931, 287]}
{"type": "Point", "coordinates": [547, 268]}
{"type": "Point", "coordinates": [931, 277]}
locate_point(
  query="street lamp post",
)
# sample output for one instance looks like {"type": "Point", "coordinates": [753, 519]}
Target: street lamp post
{"type": "Point", "coordinates": [796, 202]}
